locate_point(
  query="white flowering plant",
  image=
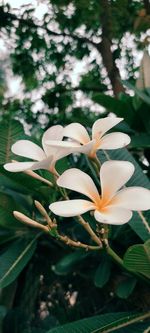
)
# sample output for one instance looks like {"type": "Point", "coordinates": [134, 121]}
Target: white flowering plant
{"type": "Point", "coordinates": [96, 197]}
{"type": "Point", "coordinates": [78, 190]}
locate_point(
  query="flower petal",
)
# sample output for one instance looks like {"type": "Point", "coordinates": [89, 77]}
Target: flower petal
{"type": "Point", "coordinates": [134, 198]}
{"type": "Point", "coordinates": [77, 132]}
{"type": "Point", "coordinates": [113, 175]}
{"type": "Point", "coordinates": [102, 126]}
{"type": "Point", "coordinates": [19, 166]}
{"type": "Point", "coordinates": [113, 215]}
{"type": "Point", "coordinates": [28, 149]}
{"type": "Point", "coordinates": [53, 133]}
{"type": "Point", "coordinates": [61, 144]}
{"type": "Point", "coordinates": [64, 148]}
{"type": "Point", "coordinates": [45, 164]}
{"type": "Point", "coordinates": [79, 181]}
{"type": "Point", "coordinates": [22, 166]}
{"type": "Point", "coordinates": [114, 141]}
{"type": "Point", "coordinates": [71, 207]}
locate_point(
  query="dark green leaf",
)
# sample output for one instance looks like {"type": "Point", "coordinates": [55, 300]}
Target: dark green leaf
{"type": "Point", "coordinates": [7, 206]}
{"type": "Point", "coordinates": [69, 262]}
{"type": "Point", "coordinates": [137, 258]}
{"type": "Point", "coordinates": [104, 323]}
{"type": "Point", "coordinates": [141, 140]}
{"type": "Point", "coordinates": [102, 273]}
{"type": "Point", "coordinates": [3, 311]}
{"type": "Point", "coordinates": [122, 108]}
{"type": "Point", "coordinates": [139, 92]}
{"type": "Point", "coordinates": [125, 287]}
{"type": "Point", "coordinates": [15, 259]}
{"type": "Point", "coordinates": [10, 132]}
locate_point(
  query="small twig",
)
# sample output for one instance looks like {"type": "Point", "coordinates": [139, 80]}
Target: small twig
{"type": "Point", "coordinates": [144, 221]}
{"type": "Point", "coordinates": [93, 171]}
{"type": "Point", "coordinates": [90, 231]}
{"type": "Point", "coordinates": [97, 161]}
{"type": "Point", "coordinates": [36, 176]}
{"type": "Point", "coordinates": [102, 231]}
{"type": "Point", "coordinates": [77, 244]}
{"type": "Point", "coordinates": [50, 227]}
{"type": "Point", "coordinates": [96, 164]}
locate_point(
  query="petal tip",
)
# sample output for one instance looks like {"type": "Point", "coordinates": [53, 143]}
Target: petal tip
{"type": "Point", "coordinates": [7, 166]}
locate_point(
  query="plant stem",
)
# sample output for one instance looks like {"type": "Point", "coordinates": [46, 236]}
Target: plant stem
{"type": "Point", "coordinates": [93, 170]}
{"type": "Point", "coordinates": [71, 242]}
{"type": "Point", "coordinates": [38, 177]}
{"type": "Point", "coordinates": [96, 164]}
{"type": "Point", "coordinates": [114, 256]}
{"type": "Point", "coordinates": [90, 231]}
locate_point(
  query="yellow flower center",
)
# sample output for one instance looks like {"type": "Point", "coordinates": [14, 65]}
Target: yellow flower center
{"type": "Point", "coordinates": [102, 203]}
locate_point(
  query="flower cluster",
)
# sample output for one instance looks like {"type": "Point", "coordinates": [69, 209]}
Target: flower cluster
{"type": "Point", "coordinates": [111, 205]}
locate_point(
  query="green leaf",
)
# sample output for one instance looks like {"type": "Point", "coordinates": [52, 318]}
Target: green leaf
{"type": "Point", "coordinates": [137, 259]}
{"type": "Point", "coordinates": [3, 312]}
{"type": "Point", "coordinates": [141, 140]}
{"type": "Point", "coordinates": [105, 323]}
{"type": "Point", "coordinates": [20, 183]}
{"type": "Point", "coordinates": [15, 259]}
{"type": "Point", "coordinates": [69, 262]}
{"type": "Point", "coordinates": [102, 273]}
{"type": "Point", "coordinates": [10, 132]}
{"type": "Point", "coordinates": [7, 206]}
{"type": "Point", "coordinates": [109, 102]}
{"type": "Point", "coordinates": [7, 219]}
{"type": "Point", "coordinates": [140, 221]}
{"type": "Point", "coordinates": [138, 92]}
{"type": "Point", "coordinates": [122, 108]}
{"type": "Point", "coordinates": [7, 235]}
{"type": "Point", "coordinates": [125, 287]}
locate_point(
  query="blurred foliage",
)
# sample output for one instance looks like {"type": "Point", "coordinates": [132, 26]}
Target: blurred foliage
{"type": "Point", "coordinates": [43, 283]}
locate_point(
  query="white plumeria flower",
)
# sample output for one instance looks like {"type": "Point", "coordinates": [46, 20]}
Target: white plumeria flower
{"type": "Point", "coordinates": [43, 158]}
{"type": "Point", "coordinates": [113, 206]}
{"type": "Point", "coordinates": [78, 133]}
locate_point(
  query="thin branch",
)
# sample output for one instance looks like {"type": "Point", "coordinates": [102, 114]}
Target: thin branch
{"type": "Point", "coordinates": [90, 231]}
{"type": "Point", "coordinates": [70, 242]}
{"type": "Point", "coordinates": [38, 177]}
{"type": "Point", "coordinates": [31, 24]}
{"type": "Point", "coordinates": [146, 224]}
{"type": "Point", "coordinates": [82, 88]}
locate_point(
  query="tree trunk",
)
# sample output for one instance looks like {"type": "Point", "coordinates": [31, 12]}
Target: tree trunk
{"type": "Point", "coordinates": [105, 49]}
{"type": "Point", "coordinates": [147, 6]}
